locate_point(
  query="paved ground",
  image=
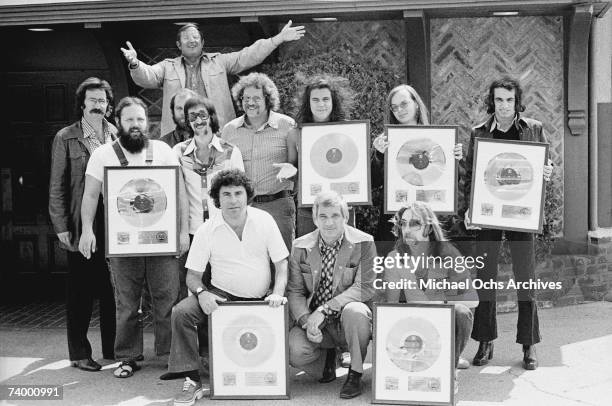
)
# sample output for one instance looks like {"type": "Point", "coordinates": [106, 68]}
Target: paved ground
{"type": "Point", "coordinates": [575, 368]}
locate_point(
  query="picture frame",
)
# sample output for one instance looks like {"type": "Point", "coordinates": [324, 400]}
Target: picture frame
{"type": "Point", "coordinates": [413, 354]}
{"type": "Point", "coordinates": [141, 211]}
{"type": "Point", "coordinates": [508, 188]}
{"type": "Point", "coordinates": [335, 156]}
{"type": "Point", "coordinates": [242, 366]}
{"type": "Point", "coordinates": [420, 165]}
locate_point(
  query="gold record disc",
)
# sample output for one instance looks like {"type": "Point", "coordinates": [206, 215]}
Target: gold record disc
{"type": "Point", "coordinates": [508, 176]}
{"type": "Point", "coordinates": [413, 344]}
{"type": "Point", "coordinates": [248, 341]}
{"type": "Point", "coordinates": [420, 162]}
{"type": "Point", "coordinates": [334, 155]}
{"type": "Point", "coordinates": [141, 202]}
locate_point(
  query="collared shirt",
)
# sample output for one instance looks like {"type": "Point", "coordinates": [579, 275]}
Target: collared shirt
{"type": "Point", "coordinates": [239, 266]}
{"type": "Point", "coordinates": [495, 124]}
{"type": "Point", "coordinates": [511, 133]}
{"type": "Point", "coordinates": [193, 77]}
{"type": "Point", "coordinates": [329, 253]}
{"type": "Point", "coordinates": [198, 175]}
{"type": "Point", "coordinates": [89, 133]}
{"type": "Point", "coordinates": [261, 148]}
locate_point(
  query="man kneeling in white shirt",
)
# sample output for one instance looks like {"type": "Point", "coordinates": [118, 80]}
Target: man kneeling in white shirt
{"type": "Point", "coordinates": [239, 244]}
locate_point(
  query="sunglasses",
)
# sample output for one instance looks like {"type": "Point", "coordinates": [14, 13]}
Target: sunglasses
{"type": "Point", "coordinates": [194, 116]}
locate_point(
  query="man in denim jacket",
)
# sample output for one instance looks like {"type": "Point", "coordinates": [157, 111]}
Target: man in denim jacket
{"type": "Point", "coordinates": [330, 290]}
{"type": "Point", "coordinates": [204, 73]}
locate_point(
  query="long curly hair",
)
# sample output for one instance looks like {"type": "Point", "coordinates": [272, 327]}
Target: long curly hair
{"type": "Point", "coordinates": [429, 223]}
{"type": "Point", "coordinates": [260, 81]}
{"type": "Point", "coordinates": [339, 96]}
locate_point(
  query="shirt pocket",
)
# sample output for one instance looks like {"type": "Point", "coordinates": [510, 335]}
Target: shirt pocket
{"type": "Point", "coordinates": [78, 161]}
{"type": "Point", "coordinates": [348, 276]}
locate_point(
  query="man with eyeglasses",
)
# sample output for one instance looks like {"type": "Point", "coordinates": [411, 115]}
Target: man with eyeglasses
{"type": "Point", "coordinates": [87, 279]}
{"type": "Point", "coordinates": [268, 146]}
{"type": "Point", "coordinates": [204, 73]}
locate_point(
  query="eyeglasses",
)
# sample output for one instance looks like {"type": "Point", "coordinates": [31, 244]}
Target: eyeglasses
{"type": "Point", "coordinates": [402, 106]}
{"type": "Point", "coordinates": [97, 101]}
{"type": "Point", "coordinates": [413, 224]}
{"type": "Point", "coordinates": [194, 116]}
{"type": "Point", "coordinates": [254, 99]}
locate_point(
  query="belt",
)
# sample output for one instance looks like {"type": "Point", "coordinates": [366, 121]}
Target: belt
{"type": "Point", "coordinates": [269, 198]}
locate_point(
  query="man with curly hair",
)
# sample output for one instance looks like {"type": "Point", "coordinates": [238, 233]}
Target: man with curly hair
{"type": "Point", "coordinates": [268, 146]}
{"type": "Point", "coordinates": [239, 245]}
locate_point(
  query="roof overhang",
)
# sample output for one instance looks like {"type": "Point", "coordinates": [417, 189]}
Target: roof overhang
{"type": "Point", "coordinates": [47, 12]}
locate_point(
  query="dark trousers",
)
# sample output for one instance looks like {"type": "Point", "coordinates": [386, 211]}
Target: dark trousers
{"type": "Point", "coordinates": [87, 280]}
{"type": "Point", "coordinates": [190, 332]}
{"type": "Point", "coordinates": [523, 266]}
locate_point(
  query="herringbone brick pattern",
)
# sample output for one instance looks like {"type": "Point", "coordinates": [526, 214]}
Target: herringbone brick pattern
{"type": "Point", "coordinates": [381, 40]}
{"type": "Point", "coordinates": [468, 53]}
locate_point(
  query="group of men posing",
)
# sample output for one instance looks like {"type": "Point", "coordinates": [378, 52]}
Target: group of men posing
{"type": "Point", "coordinates": [237, 217]}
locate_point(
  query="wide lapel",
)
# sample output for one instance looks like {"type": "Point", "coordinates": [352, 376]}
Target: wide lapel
{"type": "Point", "coordinates": [180, 70]}
{"type": "Point", "coordinates": [314, 259]}
{"type": "Point", "coordinates": [205, 61]}
{"type": "Point", "coordinates": [341, 260]}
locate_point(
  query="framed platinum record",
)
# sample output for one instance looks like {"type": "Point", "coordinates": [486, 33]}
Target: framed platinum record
{"type": "Point", "coordinates": [414, 354]}
{"type": "Point", "coordinates": [248, 351]}
{"type": "Point", "coordinates": [508, 185]}
{"type": "Point", "coordinates": [335, 156]}
{"type": "Point", "coordinates": [141, 210]}
{"type": "Point", "coordinates": [420, 166]}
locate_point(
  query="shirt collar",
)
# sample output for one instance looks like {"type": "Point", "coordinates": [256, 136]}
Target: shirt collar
{"type": "Point", "coordinates": [273, 118]}
{"type": "Point", "coordinates": [351, 235]}
{"type": "Point", "coordinates": [495, 124]}
{"type": "Point", "coordinates": [323, 246]}
{"type": "Point", "coordinates": [89, 132]}
{"type": "Point", "coordinates": [218, 221]}
{"type": "Point", "coordinates": [191, 145]}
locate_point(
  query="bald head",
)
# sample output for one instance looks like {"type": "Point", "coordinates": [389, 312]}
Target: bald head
{"type": "Point", "coordinates": [177, 103]}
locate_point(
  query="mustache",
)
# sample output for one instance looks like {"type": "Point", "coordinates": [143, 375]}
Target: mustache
{"type": "Point", "coordinates": [96, 111]}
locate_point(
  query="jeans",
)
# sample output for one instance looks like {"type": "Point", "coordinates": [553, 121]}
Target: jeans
{"type": "Point", "coordinates": [129, 275]}
{"type": "Point", "coordinates": [283, 211]}
{"type": "Point", "coordinates": [523, 266]}
{"type": "Point", "coordinates": [190, 331]}
{"type": "Point", "coordinates": [353, 331]}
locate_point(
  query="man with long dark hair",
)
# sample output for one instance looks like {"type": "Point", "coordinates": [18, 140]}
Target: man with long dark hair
{"type": "Point", "coordinates": [504, 103]}
{"type": "Point", "coordinates": [87, 278]}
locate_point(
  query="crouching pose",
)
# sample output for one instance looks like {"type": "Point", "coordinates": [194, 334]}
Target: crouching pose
{"type": "Point", "coordinates": [330, 291]}
{"type": "Point", "coordinates": [419, 235]}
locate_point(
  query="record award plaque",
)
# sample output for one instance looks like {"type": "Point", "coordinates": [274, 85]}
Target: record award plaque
{"type": "Point", "coordinates": [335, 156]}
{"type": "Point", "coordinates": [420, 166]}
{"type": "Point", "coordinates": [414, 354]}
{"type": "Point", "coordinates": [141, 215]}
{"type": "Point", "coordinates": [508, 185]}
{"type": "Point", "coordinates": [248, 350]}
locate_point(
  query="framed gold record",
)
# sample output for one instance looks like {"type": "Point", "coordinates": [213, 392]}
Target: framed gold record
{"type": "Point", "coordinates": [508, 185]}
{"type": "Point", "coordinates": [248, 351]}
{"type": "Point", "coordinates": [414, 354]}
{"type": "Point", "coordinates": [334, 156]}
{"type": "Point", "coordinates": [420, 166]}
{"type": "Point", "coordinates": [141, 210]}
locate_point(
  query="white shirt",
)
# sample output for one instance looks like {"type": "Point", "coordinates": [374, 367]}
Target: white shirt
{"type": "Point", "coordinates": [196, 194]}
{"type": "Point", "coordinates": [105, 156]}
{"type": "Point", "coordinates": [239, 267]}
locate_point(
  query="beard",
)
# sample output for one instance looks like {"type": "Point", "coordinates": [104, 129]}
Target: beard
{"type": "Point", "coordinates": [133, 140]}
{"type": "Point", "coordinates": [180, 124]}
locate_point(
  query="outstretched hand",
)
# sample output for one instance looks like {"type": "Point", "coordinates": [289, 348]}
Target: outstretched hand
{"type": "Point", "coordinates": [290, 33]}
{"type": "Point", "coordinates": [130, 53]}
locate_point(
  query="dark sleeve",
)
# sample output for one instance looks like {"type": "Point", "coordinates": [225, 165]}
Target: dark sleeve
{"type": "Point", "coordinates": [58, 193]}
{"type": "Point", "coordinates": [467, 185]}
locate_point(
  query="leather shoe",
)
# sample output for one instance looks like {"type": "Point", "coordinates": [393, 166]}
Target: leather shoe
{"type": "Point", "coordinates": [329, 370]}
{"type": "Point", "coordinates": [352, 385]}
{"type": "Point", "coordinates": [530, 362]}
{"type": "Point", "coordinates": [86, 364]}
{"type": "Point", "coordinates": [484, 353]}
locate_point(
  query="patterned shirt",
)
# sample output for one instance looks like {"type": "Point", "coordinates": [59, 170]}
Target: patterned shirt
{"type": "Point", "coordinates": [329, 253]}
{"type": "Point", "coordinates": [193, 77]}
{"type": "Point", "coordinates": [92, 138]}
{"type": "Point", "coordinates": [198, 175]}
{"type": "Point", "coordinates": [261, 148]}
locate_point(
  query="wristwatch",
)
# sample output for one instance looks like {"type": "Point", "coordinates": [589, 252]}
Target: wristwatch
{"type": "Point", "coordinates": [324, 309]}
{"type": "Point", "coordinates": [199, 290]}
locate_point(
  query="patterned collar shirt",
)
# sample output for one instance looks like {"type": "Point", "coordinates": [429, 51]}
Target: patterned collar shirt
{"type": "Point", "coordinates": [198, 175]}
{"type": "Point", "coordinates": [261, 148]}
{"type": "Point", "coordinates": [329, 253]}
{"type": "Point", "coordinates": [92, 138]}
